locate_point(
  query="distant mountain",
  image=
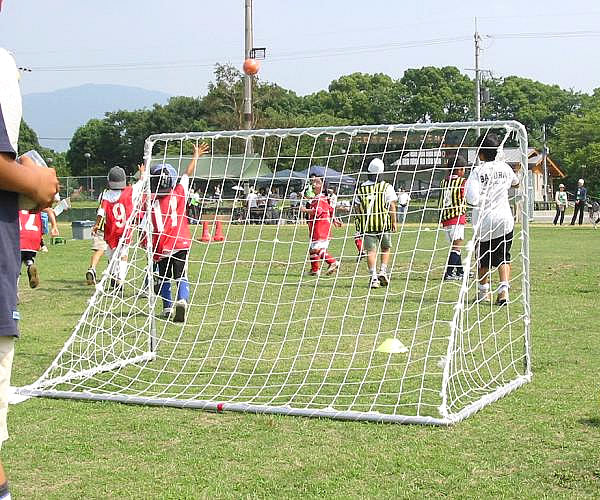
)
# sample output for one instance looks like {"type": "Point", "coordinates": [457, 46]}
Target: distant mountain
{"type": "Point", "coordinates": [60, 113]}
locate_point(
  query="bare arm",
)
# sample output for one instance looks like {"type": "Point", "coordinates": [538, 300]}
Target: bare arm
{"type": "Point", "coordinates": [198, 152]}
{"type": "Point", "coordinates": [39, 184]}
{"type": "Point", "coordinates": [392, 210]}
{"type": "Point", "coordinates": [53, 224]}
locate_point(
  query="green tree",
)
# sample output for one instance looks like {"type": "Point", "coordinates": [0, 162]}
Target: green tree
{"type": "Point", "coordinates": [436, 95]}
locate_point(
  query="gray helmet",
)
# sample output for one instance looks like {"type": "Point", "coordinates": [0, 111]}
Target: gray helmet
{"type": "Point", "coordinates": [117, 178]}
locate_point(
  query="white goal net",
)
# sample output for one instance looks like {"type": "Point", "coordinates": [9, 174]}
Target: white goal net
{"type": "Point", "coordinates": [262, 332]}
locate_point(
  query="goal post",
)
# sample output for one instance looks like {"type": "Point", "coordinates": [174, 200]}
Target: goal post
{"type": "Point", "coordinates": [263, 332]}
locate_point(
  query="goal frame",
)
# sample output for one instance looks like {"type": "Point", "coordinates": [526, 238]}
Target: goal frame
{"type": "Point", "coordinates": [446, 416]}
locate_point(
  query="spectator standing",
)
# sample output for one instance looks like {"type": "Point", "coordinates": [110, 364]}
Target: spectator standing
{"type": "Point", "coordinates": [560, 198]}
{"type": "Point", "coordinates": [403, 201]}
{"type": "Point", "coordinates": [580, 200]}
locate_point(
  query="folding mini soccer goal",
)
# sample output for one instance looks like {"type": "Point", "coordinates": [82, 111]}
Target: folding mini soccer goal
{"type": "Point", "coordinates": [261, 334]}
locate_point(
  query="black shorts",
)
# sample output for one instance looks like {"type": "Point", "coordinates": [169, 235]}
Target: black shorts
{"type": "Point", "coordinates": [28, 255]}
{"type": "Point", "coordinates": [494, 252]}
{"type": "Point", "coordinates": [173, 266]}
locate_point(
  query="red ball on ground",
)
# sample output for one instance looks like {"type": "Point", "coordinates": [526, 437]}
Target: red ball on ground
{"type": "Point", "coordinates": [251, 66]}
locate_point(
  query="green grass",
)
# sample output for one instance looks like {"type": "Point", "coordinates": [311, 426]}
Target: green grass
{"type": "Point", "coordinates": [539, 441]}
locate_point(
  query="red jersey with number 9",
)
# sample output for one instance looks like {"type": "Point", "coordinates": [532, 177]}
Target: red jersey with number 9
{"type": "Point", "coordinates": [171, 232]}
{"type": "Point", "coordinates": [116, 215]}
{"type": "Point", "coordinates": [30, 225]}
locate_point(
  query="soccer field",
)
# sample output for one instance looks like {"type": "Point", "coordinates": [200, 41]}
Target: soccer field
{"type": "Point", "coordinates": [540, 440]}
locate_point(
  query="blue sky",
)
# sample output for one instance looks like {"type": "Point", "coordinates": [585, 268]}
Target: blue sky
{"type": "Point", "coordinates": [172, 45]}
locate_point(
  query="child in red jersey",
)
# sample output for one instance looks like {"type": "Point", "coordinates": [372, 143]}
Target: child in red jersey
{"type": "Point", "coordinates": [115, 209]}
{"type": "Point", "coordinates": [30, 225]}
{"type": "Point", "coordinates": [320, 218]}
{"type": "Point", "coordinates": [171, 238]}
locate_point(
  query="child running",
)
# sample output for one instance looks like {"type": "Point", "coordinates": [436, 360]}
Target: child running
{"type": "Point", "coordinates": [30, 225]}
{"type": "Point", "coordinates": [320, 218]}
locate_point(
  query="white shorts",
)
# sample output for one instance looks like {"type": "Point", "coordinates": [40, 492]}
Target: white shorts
{"type": "Point", "coordinates": [456, 232]}
{"type": "Point", "coordinates": [98, 242]}
{"type": "Point", "coordinates": [7, 351]}
{"type": "Point", "coordinates": [122, 254]}
{"type": "Point", "coordinates": [319, 245]}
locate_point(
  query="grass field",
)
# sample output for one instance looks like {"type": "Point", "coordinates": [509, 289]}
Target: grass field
{"type": "Point", "coordinates": [540, 441]}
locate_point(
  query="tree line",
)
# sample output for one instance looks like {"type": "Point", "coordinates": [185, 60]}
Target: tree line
{"type": "Point", "coordinates": [428, 94]}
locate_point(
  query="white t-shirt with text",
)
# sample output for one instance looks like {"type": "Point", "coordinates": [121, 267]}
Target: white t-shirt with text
{"type": "Point", "coordinates": [487, 189]}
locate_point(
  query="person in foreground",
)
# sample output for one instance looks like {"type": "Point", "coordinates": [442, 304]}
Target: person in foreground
{"type": "Point", "coordinates": [486, 190]}
{"type": "Point", "coordinates": [171, 238]}
{"type": "Point", "coordinates": [38, 184]}
{"type": "Point", "coordinates": [375, 209]}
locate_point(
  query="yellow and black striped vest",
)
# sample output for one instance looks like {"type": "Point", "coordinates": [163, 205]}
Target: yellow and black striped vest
{"type": "Point", "coordinates": [452, 200]}
{"type": "Point", "coordinates": [373, 214]}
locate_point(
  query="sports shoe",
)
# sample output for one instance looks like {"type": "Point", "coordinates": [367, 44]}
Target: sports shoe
{"type": "Point", "coordinates": [374, 283]}
{"type": "Point", "coordinates": [314, 273]}
{"type": "Point", "coordinates": [484, 297]}
{"type": "Point", "coordinates": [115, 285]}
{"type": "Point", "coordinates": [167, 313]}
{"type": "Point", "coordinates": [32, 274]}
{"type": "Point", "coordinates": [44, 249]}
{"type": "Point", "coordinates": [180, 308]}
{"type": "Point", "coordinates": [361, 256]}
{"type": "Point", "coordinates": [502, 301]}
{"type": "Point", "coordinates": [384, 278]}
{"type": "Point", "coordinates": [333, 268]}
{"type": "Point", "coordinates": [452, 277]}
{"type": "Point", "coordinates": [90, 276]}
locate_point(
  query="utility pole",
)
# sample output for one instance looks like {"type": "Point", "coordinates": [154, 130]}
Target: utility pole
{"type": "Point", "coordinates": [248, 78]}
{"type": "Point", "coordinates": [477, 76]}
{"type": "Point", "coordinates": [544, 157]}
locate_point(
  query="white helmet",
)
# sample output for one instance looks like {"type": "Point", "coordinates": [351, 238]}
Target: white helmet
{"type": "Point", "coordinates": [376, 166]}
{"type": "Point", "coordinates": [580, 182]}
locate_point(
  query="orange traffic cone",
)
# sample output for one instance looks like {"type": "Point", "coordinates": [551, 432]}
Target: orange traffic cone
{"type": "Point", "coordinates": [205, 232]}
{"type": "Point", "coordinates": [218, 231]}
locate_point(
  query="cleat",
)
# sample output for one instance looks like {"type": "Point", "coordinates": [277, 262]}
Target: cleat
{"type": "Point", "coordinates": [90, 276]}
{"type": "Point", "coordinates": [484, 297]}
{"type": "Point", "coordinates": [180, 308]}
{"type": "Point", "coordinates": [44, 249]}
{"type": "Point", "coordinates": [32, 274]}
{"type": "Point", "coordinates": [115, 285]}
{"type": "Point", "coordinates": [384, 279]}
{"type": "Point", "coordinates": [361, 256]}
{"type": "Point", "coordinates": [501, 301]}
{"type": "Point", "coordinates": [167, 313]}
{"type": "Point", "coordinates": [452, 277]}
{"type": "Point", "coordinates": [314, 273]}
{"type": "Point", "coordinates": [374, 283]}
{"type": "Point", "coordinates": [333, 268]}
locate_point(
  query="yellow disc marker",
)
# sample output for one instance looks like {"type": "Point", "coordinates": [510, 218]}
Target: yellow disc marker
{"type": "Point", "coordinates": [392, 346]}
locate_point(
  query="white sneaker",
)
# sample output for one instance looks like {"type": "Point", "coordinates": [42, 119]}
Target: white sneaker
{"type": "Point", "coordinates": [484, 297]}
{"type": "Point", "coordinates": [384, 278]}
{"type": "Point", "coordinates": [180, 309]}
{"type": "Point", "coordinates": [44, 249]}
{"type": "Point", "coordinates": [167, 313]}
{"type": "Point", "coordinates": [374, 283]}
{"type": "Point", "coordinates": [333, 268]}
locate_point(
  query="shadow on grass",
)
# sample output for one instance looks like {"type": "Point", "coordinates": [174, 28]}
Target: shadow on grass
{"type": "Point", "coordinates": [590, 422]}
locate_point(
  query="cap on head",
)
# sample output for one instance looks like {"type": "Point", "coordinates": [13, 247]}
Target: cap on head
{"type": "Point", "coordinates": [581, 182]}
{"type": "Point", "coordinates": [561, 186]}
{"type": "Point", "coordinates": [117, 178]}
{"type": "Point", "coordinates": [376, 166]}
{"type": "Point", "coordinates": [162, 178]}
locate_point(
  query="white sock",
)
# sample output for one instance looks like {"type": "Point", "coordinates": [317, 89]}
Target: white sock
{"type": "Point", "coordinates": [384, 268]}
{"type": "Point", "coordinates": [122, 270]}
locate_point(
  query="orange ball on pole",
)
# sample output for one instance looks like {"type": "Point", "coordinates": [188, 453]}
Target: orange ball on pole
{"type": "Point", "coordinates": [251, 66]}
